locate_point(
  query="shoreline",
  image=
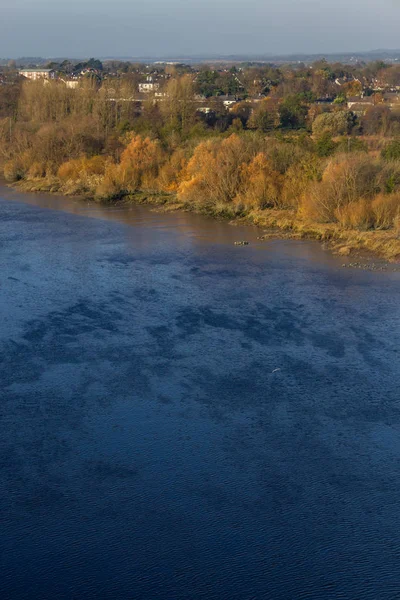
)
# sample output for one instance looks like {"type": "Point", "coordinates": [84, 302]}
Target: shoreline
{"type": "Point", "coordinates": [364, 246]}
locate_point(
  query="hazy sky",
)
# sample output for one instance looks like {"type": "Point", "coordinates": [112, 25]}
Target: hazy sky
{"type": "Point", "coordinates": [187, 27]}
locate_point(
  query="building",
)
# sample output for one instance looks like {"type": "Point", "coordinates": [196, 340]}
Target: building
{"type": "Point", "coordinates": [35, 74]}
{"type": "Point", "coordinates": [71, 83]}
{"type": "Point", "coordinates": [148, 86]}
{"type": "Point", "coordinates": [360, 101]}
{"type": "Point", "coordinates": [392, 100]}
{"type": "Point", "coordinates": [228, 101]}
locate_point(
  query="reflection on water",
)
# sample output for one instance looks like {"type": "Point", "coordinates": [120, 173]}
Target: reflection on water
{"type": "Point", "coordinates": [200, 228]}
{"type": "Point", "coordinates": [182, 418]}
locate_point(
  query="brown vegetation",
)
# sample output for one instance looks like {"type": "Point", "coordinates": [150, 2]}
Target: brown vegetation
{"type": "Point", "coordinates": [84, 141]}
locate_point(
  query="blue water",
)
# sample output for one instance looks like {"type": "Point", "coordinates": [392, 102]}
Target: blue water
{"type": "Point", "coordinates": [185, 419]}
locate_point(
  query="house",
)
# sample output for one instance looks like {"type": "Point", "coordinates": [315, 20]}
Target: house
{"type": "Point", "coordinates": [392, 99]}
{"type": "Point", "coordinates": [148, 86]}
{"type": "Point", "coordinates": [228, 101]}
{"type": "Point", "coordinates": [35, 74]}
{"type": "Point", "coordinates": [360, 102]}
{"type": "Point", "coordinates": [89, 71]}
{"type": "Point", "coordinates": [71, 83]}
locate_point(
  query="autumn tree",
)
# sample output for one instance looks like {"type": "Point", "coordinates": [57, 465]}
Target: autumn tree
{"type": "Point", "coordinates": [178, 105]}
{"type": "Point", "coordinates": [139, 164]}
{"type": "Point", "coordinates": [213, 174]}
{"type": "Point", "coordinates": [346, 180]}
{"type": "Point", "coordinates": [352, 88]}
{"type": "Point", "coordinates": [376, 120]}
{"type": "Point", "coordinates": [261, 184]}
{"type": "Point", "coordinates": [265, 116]}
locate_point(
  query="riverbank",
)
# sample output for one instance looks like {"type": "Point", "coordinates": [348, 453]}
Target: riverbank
{"type": "Point", "coordinates": [384, 244]}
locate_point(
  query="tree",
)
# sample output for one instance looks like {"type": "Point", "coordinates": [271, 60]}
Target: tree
{"type": "Point", "coordinates": [391, 76]}
{"type": "Point", "coordinates": [325, 145]}
{"type": "Point", "coordinates": [391, 151]}
{"type": "Point", "coordinates": [206, 82]}
{"type": "Point", "coordinates": [9, 99]}
{"type": "Point", "coordinates": [336, 123]}
{"type": "Point", "coordinates": [345, 181]}
{"type": "Point", "coordinates": [261, 184]}
{"type": "Point", "coordinates": [322, 83]}
{"type": "Point", "coordinates": [293, 111]}
{"type": "Point", "coordinates": [265, 116]}
{"type": "Point", "coordinates": [376, 120]}
{"type": "Point", "coordinates": [178, 107]}
{"type": "Point", "coordinates": [93, 63]}
{"type": "Point", "coordinates": [139, 164]}
{"type": "Point", "coordinates": [353, 88]}
{"type": "Point", "coordinates": [214, 173]}
{"type": "Point", "coordinates": [242, 111]}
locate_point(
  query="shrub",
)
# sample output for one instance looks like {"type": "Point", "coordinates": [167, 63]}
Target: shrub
{"type": "Point", "coordinates": [325, 146]}
{"type": "Point", "coordinates": [396, 224]}
{"type": "Point", "coordinates": [385, 208]}
{"type": "Point", "coordinates": [81, 169]}
{"type": "Point", "coordinates": [346, 180]}
{"type": "Point", "coordinates": [356, 215]}
{"type": "Point", "coordinates": [139, 164]}
{"type": "Point", "coordinates": [70, 170]}
{"type": "Point", "coordinates": [109, 187]}
{"type": "Point", "coordinates": [299, 177]}
{"type": "Point", "coordinates": [336, 123]}
{"type": "Point", "coordinates": [388, 179]}
{"type": "Point", "coordinates": [214, 172]}
{"type": "Point", "coordinates": [283, 155]}
{"type": "Point", "coordinates": [172, 172]}
{"type": "Point", "coordinates": [391, 151]}
{"type": "Point", "coordinates": [376, 120]}
{"type": "Point", "coordinates": [351, 144]}
{"type": "Point", "coordinates": [37, 170]}
{"type": "Point", "coordinates": [14, 170]}
{"type": "Point", "coordinates": [261, 185]}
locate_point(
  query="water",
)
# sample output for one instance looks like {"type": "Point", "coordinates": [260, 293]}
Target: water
{"type": "Point", "coordinates": [185, 419]}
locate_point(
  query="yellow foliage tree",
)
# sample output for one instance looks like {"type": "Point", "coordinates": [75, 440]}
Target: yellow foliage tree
{"type": "Point", "coordinates": [172, 172]}
{"type": "Point", "coordinates": [261, 185]}
{"type": "Point", "coordinates": [214, 172]}
{"type": "Point", "coordinates": [139, 164]}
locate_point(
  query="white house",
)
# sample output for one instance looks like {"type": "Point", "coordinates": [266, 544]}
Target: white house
{"type": "Point", "coordinates": [71, 83]}
{"type": "Point", "coordinates": [35, 74]}
{"type": "Point", "coordinates": [148, 86]}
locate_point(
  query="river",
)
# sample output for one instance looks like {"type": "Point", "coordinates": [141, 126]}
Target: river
{"type": "Point", "coordinates": [185, 419]}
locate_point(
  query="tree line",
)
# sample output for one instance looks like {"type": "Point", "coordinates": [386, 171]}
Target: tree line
{"type": "Point", "coordinates": [280, 154]}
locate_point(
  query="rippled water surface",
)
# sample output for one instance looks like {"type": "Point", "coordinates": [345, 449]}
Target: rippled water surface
{"type": "Point", "coordinates": [185, 419]}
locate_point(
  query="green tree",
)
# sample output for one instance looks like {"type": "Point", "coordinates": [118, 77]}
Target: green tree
{"type": "Point", "coordinates": [336, 123]}
{"type": "Point", "coordinates": [391, 151]}
{"type": "Point", "coordinates": [325, 146]}
{"type": "Point", "coordinates": [293, 111]}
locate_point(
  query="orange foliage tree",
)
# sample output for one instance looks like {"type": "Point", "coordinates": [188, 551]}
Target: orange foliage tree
{"type": "Point", "coordinates": [261, 185]}
{"type": "Point", "coordinates": [172, 171]}
{"type": "Point", "coordinates": [139, 164]}
{"type": "Point", "coordinates": [231, 170]}
{"type": "Point", "coordinates": [213, 174]}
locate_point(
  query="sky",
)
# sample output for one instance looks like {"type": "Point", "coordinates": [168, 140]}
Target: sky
{"type": "Point", "coordinates": [173, 28]}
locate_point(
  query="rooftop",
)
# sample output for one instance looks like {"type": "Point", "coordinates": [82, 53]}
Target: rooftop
{"type": "Point", "coordinates": [35, 70]}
